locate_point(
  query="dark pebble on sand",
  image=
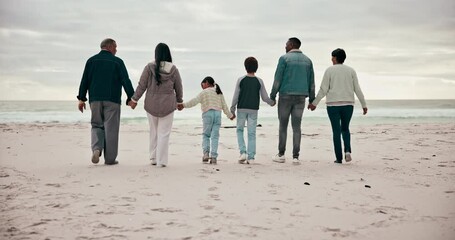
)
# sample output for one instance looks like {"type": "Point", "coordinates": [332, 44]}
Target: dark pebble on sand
{"type": "Point", "coordinates": [217, 169]}
{"type": "Point", "coordinates": [367, 186]}
{"type": "Point", "coordinates": [306, 183]}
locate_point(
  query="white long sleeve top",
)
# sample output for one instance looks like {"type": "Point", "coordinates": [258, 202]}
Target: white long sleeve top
{"type": "Point", "coordinates": [339, 85]}
{"type": "Point", "coordinates": [209, 99]}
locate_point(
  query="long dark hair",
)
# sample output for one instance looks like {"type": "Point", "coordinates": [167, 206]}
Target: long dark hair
{"type": "Point", "coordinates": [211, 81]}
{"type": "Point", "coordinates": [162, 53]}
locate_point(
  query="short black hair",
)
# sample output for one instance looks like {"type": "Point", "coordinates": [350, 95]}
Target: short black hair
{"type": "Point", "coordinates": [295, 42]}
{"type": "Point", "coordinates": [339, 54]}
{"type": "Point", "coordinates": [251, 65]}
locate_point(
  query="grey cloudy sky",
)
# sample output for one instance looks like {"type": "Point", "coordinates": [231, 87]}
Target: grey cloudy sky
{"type": "Point", "coordinates": [401, 49]}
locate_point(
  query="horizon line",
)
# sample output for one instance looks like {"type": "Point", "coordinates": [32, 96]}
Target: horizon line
{"type": "Point", "coordinates": [389, 99]}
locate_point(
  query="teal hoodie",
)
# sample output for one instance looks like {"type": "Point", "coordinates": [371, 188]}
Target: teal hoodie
{"type": "Point", "coordinates": [294, 75]}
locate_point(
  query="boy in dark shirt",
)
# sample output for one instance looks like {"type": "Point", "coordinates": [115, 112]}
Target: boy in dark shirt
{"type": "Point", "coordinates": [246, 99]}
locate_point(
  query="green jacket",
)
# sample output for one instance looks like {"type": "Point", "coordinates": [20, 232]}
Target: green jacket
{"type": "Point", "coordinates": [104, 76]}
{"type": "Point", "coordinates": [294, 75]}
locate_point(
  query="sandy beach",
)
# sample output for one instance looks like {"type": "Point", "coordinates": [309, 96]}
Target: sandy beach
{"type": "Point", "coordinates": [400, 185]}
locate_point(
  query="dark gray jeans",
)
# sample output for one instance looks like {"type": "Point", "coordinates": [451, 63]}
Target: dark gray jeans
{"type": "Point", "coordinates": [293, 106]}
{"type": "Point", "coordinates": [105, 128]}
{"type": "Point", "coordinates": [340, 116]}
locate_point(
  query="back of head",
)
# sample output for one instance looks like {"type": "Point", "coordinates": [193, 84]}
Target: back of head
{"type": "Point", "coordinates": [251, 65]}
{"type": "Point", "coordinates": [339, 54]}
{"type": "Point", "coordinates": [295, 42]}
{"type": "Point", "coordinates": [106, 43]}
{"type": "Point", "coordinates": [162, 53]}
{"type": "Point", "coordinates": [211, 81]}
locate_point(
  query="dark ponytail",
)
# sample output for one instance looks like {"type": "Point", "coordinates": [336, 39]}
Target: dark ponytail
{"type": "Point", "coordinates": [211, 81]}
{"type": "Point", "coordinates": [162, 54]}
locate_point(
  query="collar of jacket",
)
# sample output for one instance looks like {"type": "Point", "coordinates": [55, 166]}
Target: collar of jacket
{"type": "Point", "coordinates": [295, 50]}
{"type": "Point", "coordinates": [104, 51]}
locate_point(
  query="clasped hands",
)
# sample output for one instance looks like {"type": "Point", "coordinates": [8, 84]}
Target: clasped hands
{"type": "Point", "coordinates": [180, 106]}
{"type": "Point", "coordinates": [311, 107]}
{"type": "Point", "coordinates": [132, 104]}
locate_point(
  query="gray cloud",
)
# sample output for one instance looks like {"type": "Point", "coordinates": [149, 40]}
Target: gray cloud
{"type": "Point", "coordinates": [44, 44]}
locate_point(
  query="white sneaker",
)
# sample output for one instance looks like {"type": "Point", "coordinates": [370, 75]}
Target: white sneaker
{"type": "Point", "coordinates": [296, 161]}
{"type": "Point", "coordinates": [153, 161]}
{"type": "Point", "coordinates": [161, 165]}
{"type": "Point", "coordinates": [96, 156]}
{"type": "Point", "coordinates": [348, 157]}
{"type": "Point", "coordinates": [279, 159]}
{"type": "Point", "coordinates": [242, 158]}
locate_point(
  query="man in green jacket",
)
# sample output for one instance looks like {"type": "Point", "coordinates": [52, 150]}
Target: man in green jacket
{"type": "Point", "coordinates": [104, 76]}
{"type": "Point", "coordinates": [294, 80]}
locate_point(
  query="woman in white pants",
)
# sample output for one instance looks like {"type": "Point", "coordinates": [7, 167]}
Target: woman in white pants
{"type": "Point", "coordinates": [163, 86]}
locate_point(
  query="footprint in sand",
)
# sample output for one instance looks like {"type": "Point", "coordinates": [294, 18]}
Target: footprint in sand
{"type": "Point", "coordinates": [209, 231]}
{"type": "Point", "coordinates": [273, 192]}
{"type": "Point", "coordinates": [215, 197]}
{"type": "Point", "coordinates": [105, 213]}
{"type": "Point", "coordinates": [165, 210]}
{"type": "Point", "coordinates": [336, 232]}
{"type": "Point", "coordinates": [151, 194]}
{"type": "Point", "coordinates": [53, 185]}
{"type": "Point", "coordinates": [207, 207]}
{"type": "Point", "coordinates": [129, 199]}
{"type": "Point", "coordinates": [58, 205]}
{"type": "Point", "coordinates": [274, 189]}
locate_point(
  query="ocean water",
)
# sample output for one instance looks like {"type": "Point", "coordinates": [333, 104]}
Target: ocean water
{"type": "Point", "coordinates": [379, 112]}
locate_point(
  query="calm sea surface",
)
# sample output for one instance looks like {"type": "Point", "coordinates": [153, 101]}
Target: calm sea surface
{"type": "Point", "coordinates": [379, 111]}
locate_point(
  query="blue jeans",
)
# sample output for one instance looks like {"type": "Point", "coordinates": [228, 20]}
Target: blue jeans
{"type": "Point", "coordinates": [340, 116]}
{"type": "Point", "coordinates": [251, 119]}
{"type": "Point", "coordinates": [211, 123]}
{"type": "Point", "coordinates": [290, 106]}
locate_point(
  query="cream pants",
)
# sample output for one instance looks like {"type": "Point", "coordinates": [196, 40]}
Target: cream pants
{"type": "Point", "coordinates": [160, 130]}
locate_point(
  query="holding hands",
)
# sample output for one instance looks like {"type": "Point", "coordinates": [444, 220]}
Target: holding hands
{"type": "Point", "coordinates": [180, 106]}
{"type": "Point", "coordinates": [311, 107]}
{"type": "Point", "coordinates": [132, 104]}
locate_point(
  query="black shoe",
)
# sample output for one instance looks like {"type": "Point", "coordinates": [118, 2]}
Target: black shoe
{"type": "Point", "coordinates": [111, 163]}
{"type": "Point", "coordinates": [338, 161]}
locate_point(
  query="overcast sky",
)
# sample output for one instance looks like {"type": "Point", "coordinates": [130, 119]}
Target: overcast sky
{"type": "Point", "coordinates": [401, 49]}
